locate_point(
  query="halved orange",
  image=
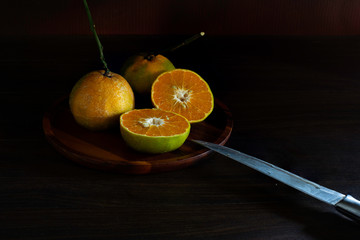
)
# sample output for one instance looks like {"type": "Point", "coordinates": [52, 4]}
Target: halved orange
{"type": "Point", "coordinates": [153, 130]}
{"type": "Point", "coordinates": [183, 92]}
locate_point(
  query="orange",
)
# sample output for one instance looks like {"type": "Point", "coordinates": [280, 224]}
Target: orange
{"type": "Point", "coordinates": [142, 69]}
{"type": "Point", "coordinates": [183, 92]}
{"type": "Point", "coordinates": [153, 130]}
{"type": "Point", "coordinates": [96, 101]}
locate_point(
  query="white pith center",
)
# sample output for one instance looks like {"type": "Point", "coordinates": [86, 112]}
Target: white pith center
{"type": "Point", "coordinates": [182, 95]}
{"type": "Point", "coordinates": [152, 121]}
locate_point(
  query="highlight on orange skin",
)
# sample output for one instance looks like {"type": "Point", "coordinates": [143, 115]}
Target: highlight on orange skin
{"type": "Point", "coordinates": [96, 101]}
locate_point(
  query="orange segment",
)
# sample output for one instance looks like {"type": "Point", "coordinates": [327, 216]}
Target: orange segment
{"type": "Point", "coordinates": [154, 122]}
{"type": "Point", "coordinates": [154, 130]}
{"type": "Point", "coordinates": [183, 92]}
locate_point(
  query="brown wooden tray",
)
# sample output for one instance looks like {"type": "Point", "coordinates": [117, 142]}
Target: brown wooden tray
{"type": "Point", "coordinates": [106, 150]}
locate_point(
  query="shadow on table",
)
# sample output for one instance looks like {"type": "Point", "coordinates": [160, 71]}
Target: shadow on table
{"type": "Point", "coordinates": [260, 198]}
{"type": "Point", "coordinates": [322, 225]}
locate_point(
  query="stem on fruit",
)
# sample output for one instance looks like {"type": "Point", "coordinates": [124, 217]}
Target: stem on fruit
{"type": "Point", "coordinates": [92, 27]}
{"type": "Point", "coordinates": [186, 42]}
{"type": "Point", "coordinates": [150, 55]}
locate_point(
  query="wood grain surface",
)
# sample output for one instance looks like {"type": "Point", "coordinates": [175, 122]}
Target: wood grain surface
{"type": "Point", "coordinates": [294, 101]}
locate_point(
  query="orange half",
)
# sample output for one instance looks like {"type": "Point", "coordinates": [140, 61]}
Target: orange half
{"type": "Point", "coordinates": [153, 130]}
{"type": "Point", "coordinates": [183, 92]}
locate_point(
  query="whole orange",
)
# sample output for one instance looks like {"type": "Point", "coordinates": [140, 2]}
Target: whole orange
{"type": "Point", "coordinates": [97, 101]}
{"type": "Point", "coordinates": [142, 69]}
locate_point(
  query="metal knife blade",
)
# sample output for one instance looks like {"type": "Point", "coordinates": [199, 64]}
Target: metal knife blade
{"type": "Point", "coordinates": [345, 204]}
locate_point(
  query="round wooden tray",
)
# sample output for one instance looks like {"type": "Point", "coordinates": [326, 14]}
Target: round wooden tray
{"type": "Point", "coordinates": [106, 150]}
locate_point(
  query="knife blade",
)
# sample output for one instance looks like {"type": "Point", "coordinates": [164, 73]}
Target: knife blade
{"type": "Point", "coordinates": [345, 204]}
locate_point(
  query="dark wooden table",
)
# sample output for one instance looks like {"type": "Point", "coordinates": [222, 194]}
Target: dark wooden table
{"type": "Point", "coordinates": [295, 103]}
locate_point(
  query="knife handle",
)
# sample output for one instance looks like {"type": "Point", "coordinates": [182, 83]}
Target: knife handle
{"type": "Point", "coordinates": [350, 207]}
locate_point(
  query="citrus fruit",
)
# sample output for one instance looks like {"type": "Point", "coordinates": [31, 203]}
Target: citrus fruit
{"type": "Point", "coordinates": [96, 101]}
{"type": "Point", "coordinates": [183, 92]}
{"type": "Point", "coordinates": [153, 130]}
{"type": "Point", "coordinates": [142, 69]}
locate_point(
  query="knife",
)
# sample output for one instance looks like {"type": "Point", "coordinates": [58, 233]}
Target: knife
{"type": "Point", "coordinates": [345, 204]}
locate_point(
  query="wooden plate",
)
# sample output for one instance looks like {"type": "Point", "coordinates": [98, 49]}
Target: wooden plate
{"type": "Point", "coordinates": [106, 150]}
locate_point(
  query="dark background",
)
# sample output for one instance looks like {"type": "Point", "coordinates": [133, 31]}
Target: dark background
{"type": "Point", "coordinates": [215, 17]}
{"type": "Point", "coordinates": [287, 69]}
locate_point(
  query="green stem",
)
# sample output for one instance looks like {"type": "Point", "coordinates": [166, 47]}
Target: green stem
{"type": "Point", "coordinates": [186, 42]}
{"type": "Point", "coordinates": [92, 27]}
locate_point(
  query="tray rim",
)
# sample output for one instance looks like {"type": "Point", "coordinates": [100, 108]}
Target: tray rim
{"type": "Point", "coordinates": [90, 161]}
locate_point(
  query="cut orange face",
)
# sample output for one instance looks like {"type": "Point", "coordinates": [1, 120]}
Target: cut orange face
{"type": "Point", "coordinates": [153, 130]}
{"type": "Point", "coordinates": [183, 92]}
